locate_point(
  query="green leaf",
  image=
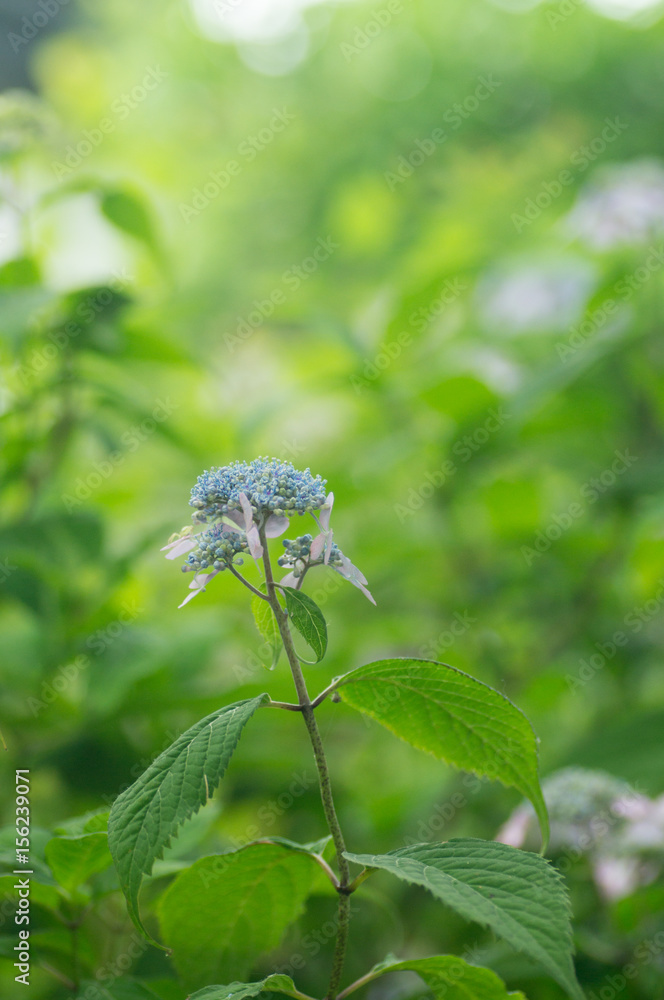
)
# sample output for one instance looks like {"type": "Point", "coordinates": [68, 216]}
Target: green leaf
{"type": "Point", "coordinates": [118, 989]}
{"type": "Point", "coordinates": [225, 911]}
{"type": "Point", "coordinates": [446, 976]}
{"type": "Point", "coordinates": [43, 894]}
{"type": "Point", "coordinates": [95, 821]}
{"type": "Point", "coordinates": [308, 619]}
{"type": "Point", "coordinates": [518, 895]}
{"type": "Point", "coordinates": [73, 860]}
{"type": "Point", "coordinates": [275, 983]}
{"type": "Point", "coordinates": [451, 715]}
{"type": "Point", "coordinates": [266, 624]}
{"type": "Point", "coordinates": [314, 847]}
{"type": "Point", "coordinates": [145, 816]}
{"type": "Point", "coordinates": [128, 213]}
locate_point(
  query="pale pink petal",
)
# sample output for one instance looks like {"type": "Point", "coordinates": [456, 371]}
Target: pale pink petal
{"type": "Point", "coordinates": [325, 511]}
{"type": "Point", "coordinates": [190, 597]}
{"type": "Point", "coordinates": [616, 877]}
{"type": "Point", "coordinates": [360, 586]}
{"type": "Point", "coordinates": [317, 547]}
{"type": "Point", "coordinates": [515, 830]}
{"type": "Point", "coordinates": [253, 541]}
{"type": "Point", "coordinates": [253, 538]}
{"type": "Point", "coordinates": [353, 575]}
{"type": "Point", "coordinates": [198, 585]}
{"type": "Point", "coordinates": [351, 572]}
{"type": "Point", "coordinates": [237, 520]}
{"type": "Point", "coordinates": [247, 510]}
{"type": "Point", "coordinates": [328, 547]}
{"type": "Point", "coordinates": [290, 580]}
{"type": "Point", "coordinates": [275, 526]}
{"type": "Point", "coordinates": [229, 529]}
{"type": "Point", "coordinates": [180, 546]}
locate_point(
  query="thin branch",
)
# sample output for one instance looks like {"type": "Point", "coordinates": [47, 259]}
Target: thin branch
{"type": "Point", "coordinates": [323, 773]}
{"type": "Point", "coordinates": [47, 967]}
{"type": "Point", "coordinates": [359, 879]}
{"type": "Point", "coordinates": [328, 871]}
{"type": "Point", "coordinates": [250, 586]}
{"type": "Point", "coordinates": [323, 695]}
{"type": "Point", "coordinates": [362, 981]}
{"type": "Point", "coordinates": [284, 704]}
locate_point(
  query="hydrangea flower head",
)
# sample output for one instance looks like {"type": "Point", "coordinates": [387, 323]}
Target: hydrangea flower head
{"type": "Point", "coordinates": [216, 548]}
{"type": "Point", "coordinates": [238, 506]}
{"type": "Point", "coordinates": [270, 485]}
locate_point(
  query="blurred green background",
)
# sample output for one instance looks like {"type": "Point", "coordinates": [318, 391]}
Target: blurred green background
{"type": "Point", "coordinates": [418, 247]}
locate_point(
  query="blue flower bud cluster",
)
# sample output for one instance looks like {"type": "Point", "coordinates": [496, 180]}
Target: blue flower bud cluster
{"type": "Point", "coordinates": [300, 550]}
{"type": "Point", "coordinates": [270, 485]}
{"type": "Point", "coordinates": [216, 549]}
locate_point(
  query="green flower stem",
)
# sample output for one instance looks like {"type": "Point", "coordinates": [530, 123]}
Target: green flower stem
{"type": "Point", "coordinates": [249, 586]}
{"type": "Point", "coordinates": [323, 774]}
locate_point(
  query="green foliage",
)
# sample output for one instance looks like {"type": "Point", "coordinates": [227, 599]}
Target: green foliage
{"type": "Point", "coordinates": [73, 860]}
{"type": "Point", "coordinates": [455, 367]}
{"type": "Point", "coordinates": [223, 913]}
{"type": "Point", "coordinates": [129, 213]}
{"type": "Point", "coordinates": [454, 717]}
{"type": "Point", "coordinates": [121, 989]}
{"type": "Point", "coordinates": [308, 619]}
{"type": "Point", "coordinates": [518, 895]}
{"type": "Point", "coordinates": [447, 976]}
{"type": "Point", "coordinates": [145, 816]}
{"type": "Point", "coordinates": [267, 625]}
{"type": "Point", "coordinates": [275, 983]}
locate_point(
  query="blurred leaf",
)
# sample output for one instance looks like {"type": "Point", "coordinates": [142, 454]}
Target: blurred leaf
{"type": "Point", "coordinates": [118, 989]}
{"type": "Point", "coordinates": [50, 897]}
{"type": "Point", "coordinates": [19, 273]}
{"type": "Point", "coordinates": [263, 887]}
{"type": "Point", "coordinates": [629, 748]}
{"type": "Point", "coordinates": [73, 860]}
{"type": "Point", "coordinates": [447, 976]}
{"type": "Point", "coordinates": [182, 778]}
{"type": "Point", "coordinates": [449, 714]}
{"type": "Point", "coordinates": [275, 983]}
{"type": "Point", "coordinates": [518, 895]}
{"type": "Point", "coordinates": [128, 213]}
{"type": "Point", "coordinates": [266, 624]}
{"type": "Point", "coordinates": [95, 821]}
